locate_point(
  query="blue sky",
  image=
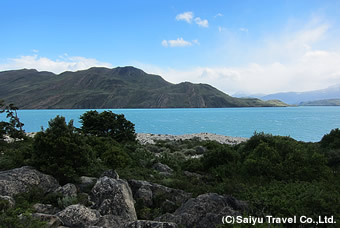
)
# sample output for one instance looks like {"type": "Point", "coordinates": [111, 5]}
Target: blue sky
{"type": "Point", "coordinates": [237, 46]}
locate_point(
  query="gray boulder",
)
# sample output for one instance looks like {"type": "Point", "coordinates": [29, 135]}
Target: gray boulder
{"type": "Point", "coordinates": [79, 216]}
{"type": "Point", "coordinates": [52, 221]}
{"type": "Point", "coordinates": [19, 180]}
{"type": "Point", "coordinates": [163, 169]}
{"type": "Point", "coordinates": [150, 224]}
{"type": "Point", "coordinates": [114, 197]}
{"type": "Point", "coordinates": [86, 183]}
{"type": "Point", "coordinates": [205, 211]}
{"type": "Point", "coordinates": [45, 208]}
{"type": "Point", "coordinates": [110, 173]}
{"type": "Point", "coordinates": [68, 190]}
{"type": "Point", "coordinates": [159, 194]}
{"type": "Point", "coordinates": [108, 221]}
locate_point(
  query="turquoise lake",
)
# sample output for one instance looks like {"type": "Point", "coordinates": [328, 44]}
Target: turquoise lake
{"type": "Point", "coordinates": [301, 123]}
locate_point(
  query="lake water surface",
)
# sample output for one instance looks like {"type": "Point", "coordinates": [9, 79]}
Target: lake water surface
{"type": "Point", "coordinates": [301, 123]}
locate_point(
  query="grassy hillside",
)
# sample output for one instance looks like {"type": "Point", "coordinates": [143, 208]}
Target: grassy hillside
{"type": "Point", "coordinates": [121, 87]}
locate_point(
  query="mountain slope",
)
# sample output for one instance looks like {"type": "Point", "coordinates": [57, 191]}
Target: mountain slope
{"type": "Point", "coordinates": [121, 87]}
{"type": "Point", "coordinates": [332, 92]}
{"type": "Point", "coordinates": [326, 102]}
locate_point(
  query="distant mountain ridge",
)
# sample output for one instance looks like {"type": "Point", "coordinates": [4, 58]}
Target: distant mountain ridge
{"type": "Point", "coordinates": [295, 98]}
{"type": "Point", "coordinates": [121, 87]}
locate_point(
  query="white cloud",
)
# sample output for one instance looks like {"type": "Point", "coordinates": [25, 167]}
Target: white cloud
{"type": "Point", "coordinates": [64, 63]}
{"type": "Point", "coordinates": [289, 61]}
{"type": "Point", "coordinates": [186, 16]}
{"type": "Point", "coordinates": [218, 15]}
{"type": "Point", "coordinates": [189, 17]}
{"type": "Point", "coordinates": [202, 23]}
{"type": "Point", "coordinates": [179, 42]}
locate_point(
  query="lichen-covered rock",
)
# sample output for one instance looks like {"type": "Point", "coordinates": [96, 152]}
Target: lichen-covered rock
{"type": "Point", "coordinates": [10, 201]}
{"type": "Point", "coordinates": [144, 195]}
{"type": "Point", "coordinates": [86, 183]}
{"type": "Point", "coordinates": [110, 173]}
{"type": "Point", "coordinates": [114, 197]}
{"type": "Point", "coordinates": [159, 193]}
{"type": "Point", "coordinates": [108, 221]}
{"type": "Point", "coordinates": [52, 221]}
{"type": "Point", "coordinates": [163, 169]}
{"type": "Point", "coordinates": [205, 211]}
{"type": "Point", "coordinates": [45, 208]}
{"type": "Point", "coordinates": [68, 190]}
{"type": "Point", "coordinates": [150, 224]}
{"type": "Point", "coordinates": [19, 180]}
{"type": "Point", "coordinates": [79, 216]}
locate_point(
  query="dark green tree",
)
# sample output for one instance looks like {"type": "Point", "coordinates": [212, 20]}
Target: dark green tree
{"type": "Point", "coordinates": [108, 124]}
{"type": "Point", "coordinates": [12, 127]}
{"type": "Point", "coordinates": [61, 151]}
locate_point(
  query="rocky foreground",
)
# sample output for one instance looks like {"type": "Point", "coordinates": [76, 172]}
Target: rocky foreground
{"type": "Point", "coordinates": [111, 202]}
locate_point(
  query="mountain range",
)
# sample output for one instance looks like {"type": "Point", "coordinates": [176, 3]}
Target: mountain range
{"type": "Point", "coordinates": [315, 97]}
{"type": "Point", "coordinates": [121, 87]}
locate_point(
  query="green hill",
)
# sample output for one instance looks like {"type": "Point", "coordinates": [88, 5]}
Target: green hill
{"type": "Point", "coordinates": [121, 87]}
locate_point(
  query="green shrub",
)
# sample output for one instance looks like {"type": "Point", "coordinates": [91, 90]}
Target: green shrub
{"type": "Point", "coordinates": [108, 124]}
{"type": "Point", "coordinates": [62, 152]}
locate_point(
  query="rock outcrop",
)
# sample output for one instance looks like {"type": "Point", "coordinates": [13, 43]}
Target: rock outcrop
{"type": "Point", "coordinates": [114, 197]}
{"type": "Point", "coordinates": [205, 211]}
{"type": "Point", "coordinates": [150, 193]}
{"type": "Point", "coordinates": [19, 180]}
{"type": "Point", "coordinates": [68, 190]}
{"type": "Point", "coordinates": [79, 216]}
{"type": "Point", "coordinates": [150, 224]}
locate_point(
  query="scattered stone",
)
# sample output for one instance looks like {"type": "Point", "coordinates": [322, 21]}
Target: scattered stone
{"type": "Point", "coordinates": [201, 149]}
{"type": "Point", "coordinates": [10, 200]}
{"type": "Point", "coordinates": [112, 196]}
{"type": "Point", "coordinates": [159, 193]}
{"type": "Point", "coordinates": [110, 173]}
{"type": "Point", "coordinates": [163, 169]}
{"type": "Point", "coordinates": [190, 174]}
{"type": "Point", "coordinates": [45, 208]}
{"type": "Point", "coordinates": [68, 190]}
{"type": "Point", "coordinates": [108, 221]}
{"type": "Point", "coordinates": [150, 224]}
{"type": "Point", "coordinates": [78, 216]}
{"type": "Point", "coordinates": [86, 183]}
{"type": "Point", "coordinates": [20, 180]}
{"type": "Point", "coordinates": [145, 138]}
{"type": "Point", "coordinates": [204, 211]}
{"type": "Point", "coordinates": [52, 221]}
{"type": "Point", "coordinates": [144, 195]}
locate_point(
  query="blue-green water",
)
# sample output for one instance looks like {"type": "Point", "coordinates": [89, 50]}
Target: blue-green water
{"type": "Point", "coordinates": [301, 123]}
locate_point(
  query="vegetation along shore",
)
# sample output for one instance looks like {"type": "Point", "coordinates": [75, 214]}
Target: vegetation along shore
{"type": "Point", "coordinates": [103, 174]}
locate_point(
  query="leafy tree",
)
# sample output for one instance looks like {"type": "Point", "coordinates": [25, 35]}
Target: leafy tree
{"type": "Point", "coordinates": [108, 124]}
{"type": "Point", "coordinates": [13, 127]}
{"type": "Point", "coordinates": [61, 151]}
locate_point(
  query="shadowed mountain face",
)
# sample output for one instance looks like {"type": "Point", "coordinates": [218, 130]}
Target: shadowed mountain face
{"type": "Point", "coordinates": [121, 87]}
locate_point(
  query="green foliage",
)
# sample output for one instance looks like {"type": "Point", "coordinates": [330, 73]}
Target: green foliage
{"type": "Point", "coordinates": [331, 140]}
{"type": "Point", "coordinates": [108, 124]}
{"type": "Point", "coordinates": [13, 127]}
{"type": "Point", "coordinates": [16, 154]}
{"type": "Point", "coordinates": [62, 152]}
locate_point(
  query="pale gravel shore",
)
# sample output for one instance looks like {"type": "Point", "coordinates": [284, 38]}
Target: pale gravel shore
{"type": "Point", "coordinates": [146, 138]}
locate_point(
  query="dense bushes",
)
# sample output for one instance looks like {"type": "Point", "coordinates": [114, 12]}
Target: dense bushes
{"type": "Point", "coordinates": [276, 175]}
{"type": "Point", "coordinates": [108, 124]}
{"type": "Point", "coordinates": [61, 151]}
